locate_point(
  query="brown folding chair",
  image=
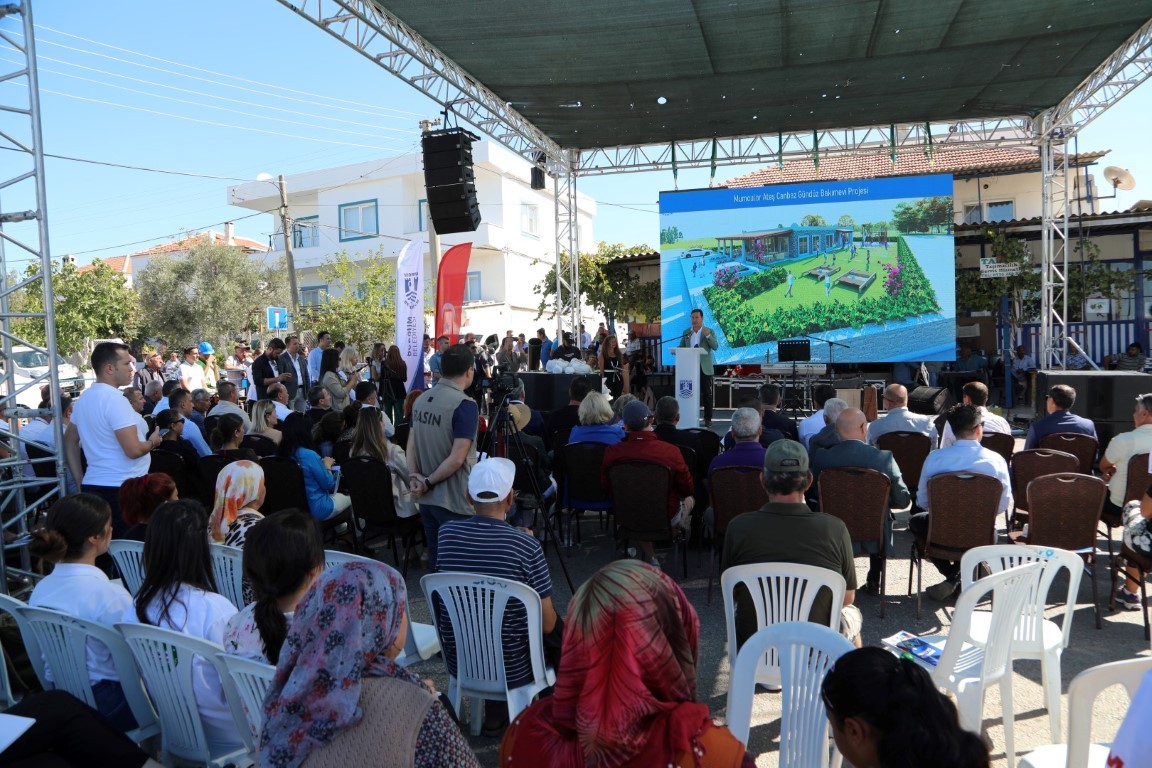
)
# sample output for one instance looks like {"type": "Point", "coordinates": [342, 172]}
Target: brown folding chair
{"type": "Point", "coordinates": [910, 449]}
{"type": "Point", "coordinates": [1064, 513]}
{"type": "Point", "coordinates": [1025, 467]}
{"type": "Point", "coordinates": [1083, 447]}
{"type": "Point", "coordinates": [1003, 444]}
{"type": "Point", "coordinates": [859, 496]}
{"type": "Point", "coordinates": [962, 515]}
{"type": "Point", "coordinates": [583, 485]}
{"type": "Point", "coordinates": [735, 490]}
{"type": "Point", "coordinates": [1139, 480]}
{"type": "Point", "coordinates": [639, 492]}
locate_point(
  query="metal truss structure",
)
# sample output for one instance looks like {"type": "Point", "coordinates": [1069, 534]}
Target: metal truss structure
{"type": "Point", "coordinates": [24, 230]}
{"type": "Point", "coordinates": [567, 241]}
{"type": "Point", "coordinates": [375, 33]}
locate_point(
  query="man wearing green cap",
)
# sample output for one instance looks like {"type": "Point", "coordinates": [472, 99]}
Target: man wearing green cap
{"type": "Point", "coordinates": [786, 530]}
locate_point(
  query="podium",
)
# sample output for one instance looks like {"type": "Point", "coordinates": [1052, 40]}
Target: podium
{"type": "Point", "coordinates": [687, 385]}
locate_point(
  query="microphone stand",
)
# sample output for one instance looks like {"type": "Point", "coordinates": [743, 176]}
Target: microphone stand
{"type": "Point", "coordinates": [831, 348]}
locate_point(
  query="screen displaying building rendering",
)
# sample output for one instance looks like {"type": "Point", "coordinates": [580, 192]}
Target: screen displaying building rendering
{"type": "Point", "coordinates": [868, 263]}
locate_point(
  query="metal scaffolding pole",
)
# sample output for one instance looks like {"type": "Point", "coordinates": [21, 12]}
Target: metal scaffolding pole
{"type": "Point", "coordinates": [1053, 245]}
{"type": "Point", "coordinates": [24, 229]}
{"type": "Point", "coordinates": [567, 230]}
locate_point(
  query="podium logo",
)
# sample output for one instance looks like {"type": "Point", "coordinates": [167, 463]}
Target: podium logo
{"type": "Point", "coordinates": [685, 389]}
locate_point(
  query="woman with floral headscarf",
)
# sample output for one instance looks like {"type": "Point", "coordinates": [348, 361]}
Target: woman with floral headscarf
{"type": "Point", "coordinates": [239, 494]}
{"type": "Point", "coordinates": [339, 694]}
{"type": "Point", "coordinates": [626, 691]}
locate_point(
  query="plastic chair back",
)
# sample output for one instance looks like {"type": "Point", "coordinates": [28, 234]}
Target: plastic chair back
{"type": "Point", "coordinates": [474, 605]}
{"type": "Point", "coordinates": [129, 558]}
{"type": "Point", "coordinates": [248, 680]}
{"type": "Point", "coordinates": [1064, 511]}
{"type": "Point", "coordinates": [334, 557]}
{"type": "Point", "coordinates": [13, 607]}
{"type": "Point", "coordinates": [1083, 447]}
{"type": "Point", "coordinates": [583, 488]}
{"type": "Point", "coordinates": [1082, 693]}
{"type": "Point", "coordinates": [167, 662]}
{"type": "Point", "coordinates": [1139, 478]}
{"type": "Point", "coordinates": [1028, 465]}
{"type": "Point", "coordinates": [735, 490]}
{"type": "Point", "coordinates": [228, 568]}
{"type": "Point", "coordinates": [910, 450]}
{"type": "Point", "coordinates": [781, 592]}
{"type": "Point", "coordinates": [806, 652]}
{"type": "Point", "coordinates": [64, 640]}
{"type": "Point", "coordinates": [859, 497]}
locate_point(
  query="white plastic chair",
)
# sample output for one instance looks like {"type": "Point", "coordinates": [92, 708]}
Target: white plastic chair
{"type": "Point", "coordinates": [64, 639]}
{"type": "Point", "coordinates": [166, 661]}
{"type": "Point", "coordinates": [1035, 637]}
{"type": "Point", "coordinates": [805, 651]}
{"type": "Point", "coordinates": [248, 680]}
{"type": "Point", "coordinates": [781, 592]}
{"type": "Point", "coordinates": [129, 558]}
{"type": "Point", "coordinates": [967, 670]}
{"type": "Point", "coordinates": [228, 567]}
{"type": "Point", "coordinates": [1082, 693]}
{"type": "Point", "coordinates": [335, 557]}
{"type": "Point", "coordinates": [12, 606]}
{"type": "Point", "coordinates": [475, 606]}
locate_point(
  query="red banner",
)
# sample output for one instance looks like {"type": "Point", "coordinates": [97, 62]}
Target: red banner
{"type": "Point", "coordinates": [451, 280]}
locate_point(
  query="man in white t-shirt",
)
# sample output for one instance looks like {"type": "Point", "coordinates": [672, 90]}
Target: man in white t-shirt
{"type": "Point", "coordinates": [191, 375]}
{"type": "Point", "coordinates": [112, 435]}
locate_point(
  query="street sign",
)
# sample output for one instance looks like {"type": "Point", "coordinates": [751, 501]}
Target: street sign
{"type": "Point", "coordinates": [277, 318]}
{"type": "Point", "coordinates": [990, 267]}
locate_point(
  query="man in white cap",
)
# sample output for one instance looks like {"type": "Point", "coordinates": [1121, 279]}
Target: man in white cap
{"type": "Point", "coordinates": [485, 543]}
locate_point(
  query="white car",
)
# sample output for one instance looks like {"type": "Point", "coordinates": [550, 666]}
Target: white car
{"type": "Point", "coordinates": [695, 253]}
{"type": "Point", "coordinates": [29, 363]}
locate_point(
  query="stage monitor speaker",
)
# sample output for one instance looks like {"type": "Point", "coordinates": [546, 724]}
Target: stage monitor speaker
{"type": "Point", "coordinates": [930, 401]}
{"type": "Point", "coordinates": [450, 180]}
{"type": "Point", "coordinates": [534, 346]}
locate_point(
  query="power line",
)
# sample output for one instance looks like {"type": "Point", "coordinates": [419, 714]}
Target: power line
{"type": "Point", "coordinates": [133, 167]}
{"type": "Point", "coordinates": [173, 234]}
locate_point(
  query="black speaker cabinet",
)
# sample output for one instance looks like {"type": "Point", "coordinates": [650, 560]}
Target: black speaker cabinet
{"type": "Point", "coordinates": [1106, 397]}
{"type": "Point", "coordinates": [450, 180]}
{"type": "Point", "coordinates": [930, 400]}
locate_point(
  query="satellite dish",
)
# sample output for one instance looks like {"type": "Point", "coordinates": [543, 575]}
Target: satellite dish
{"type": "Point", "coordinates": [1119, 177]}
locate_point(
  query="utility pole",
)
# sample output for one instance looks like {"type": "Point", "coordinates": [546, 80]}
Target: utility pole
{"type": "Point", "coordinates": [286, 228]}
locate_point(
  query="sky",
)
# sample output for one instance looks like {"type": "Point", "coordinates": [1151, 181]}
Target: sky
{"type": "Point", "coordinates": [231, 90]}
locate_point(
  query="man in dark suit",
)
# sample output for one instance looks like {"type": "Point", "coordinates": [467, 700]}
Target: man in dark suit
{"type": "Point", "coordinates": [853, 451]}
{"type": "Point", "coordinates": [293, 361]}
{"type": "Point", "coordinates": [698, 336]}
{"type": "Point", "coordinates": [667, 417]}
{"type": "Point", "coordinates": [1060, 418]}
{"type": "Point", "coordinates": [266, 370]}
{"type": "Point", "coordinates": [773, 419]}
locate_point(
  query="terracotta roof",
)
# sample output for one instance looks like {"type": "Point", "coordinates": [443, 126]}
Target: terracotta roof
{"type": "Point", "coordinates": [118, 264]}
{"type": "Point", "coordinates": [959, 161]}
{"type": "Point", "coordinates": [188, 242]}
{"type": "Point", "coordinates": [1095, 221]}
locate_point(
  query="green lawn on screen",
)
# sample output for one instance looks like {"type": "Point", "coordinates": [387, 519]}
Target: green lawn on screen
{"type": "Point", "coordinates": [809, 291]}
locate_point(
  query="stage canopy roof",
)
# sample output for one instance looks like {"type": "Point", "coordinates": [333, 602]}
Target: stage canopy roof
{"type": "Point", "coordinates": [591, 74]}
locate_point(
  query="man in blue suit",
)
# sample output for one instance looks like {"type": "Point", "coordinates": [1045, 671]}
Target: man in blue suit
{"type": "Point", "coordinates": [1060, 418]}
{"type": "Point", "coordinates": [853, 451]}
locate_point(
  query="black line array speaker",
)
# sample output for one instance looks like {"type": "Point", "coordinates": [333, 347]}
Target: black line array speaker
{"type": "Point", "coordinates": [538, 171]}
{"type": "Point", "coordinates": [1106, 397]}
{"type": "Point", "coordinates": [930, 401]}
{"type": "Point", "coordinates": [450, 180]}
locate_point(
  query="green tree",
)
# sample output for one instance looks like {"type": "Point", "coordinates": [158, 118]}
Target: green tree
{"type": "Point", "coordinates": [362, 309]}
{"type": "Point", "coordinates": [212, 294]}
{"type": "Point", "coordinates": [846, 221]}
{"type": "Point", "coordinates": [983, 294]}
{"type": "Point", "coordinates": [813, 220]}
{"type": "Point", "coordinates": [1092, 277]}
{"type": "Point", "coordinates": [606, 285]}
{"type": "Point", "coordinates": [93, 304]}
{"type": "Point", "coordinates": [670, 235]}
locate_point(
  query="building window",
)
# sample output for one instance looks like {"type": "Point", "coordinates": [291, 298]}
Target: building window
{"type": "Point", "coordinates": [306, 232]}
{"type": "Point", "coordinates": [421, 206]}
{"type": "Point", "coordinates": [971, 213]}
{"type": "Point", "coordinates": [311, 295]}
{"type": "Point", "coordinates": [803, 242]}
{"type": "Point", "coordinates": [358, 220]}
{"type": "Point", "coordinates": [1001, 211]}
{"type": "Point", "coordinates": [530, 219]}
{"type": "Point", "coordinates": [472, 288]}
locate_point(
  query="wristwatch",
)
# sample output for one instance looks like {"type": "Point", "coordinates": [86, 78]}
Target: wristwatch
{"type": "Point", "coordinates": [428, 483]}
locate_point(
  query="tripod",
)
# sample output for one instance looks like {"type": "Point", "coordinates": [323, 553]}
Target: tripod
{"type": "Point", "coordinates": [505, 434]}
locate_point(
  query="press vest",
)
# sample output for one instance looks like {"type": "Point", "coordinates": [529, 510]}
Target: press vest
{"type": "Point", "coordinates": [432, 427]}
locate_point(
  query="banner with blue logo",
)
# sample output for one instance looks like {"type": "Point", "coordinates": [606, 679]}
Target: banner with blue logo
{"type": "Point", "coordinates": [410, 308]}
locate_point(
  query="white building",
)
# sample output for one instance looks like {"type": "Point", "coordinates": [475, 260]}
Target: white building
{"type": "Point", "coordinates": [380, 205]}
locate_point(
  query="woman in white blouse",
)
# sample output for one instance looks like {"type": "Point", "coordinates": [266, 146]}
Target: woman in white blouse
{"type": "Point", "coordinates": [76, 532]}
{"type": "Point", "coordinates": [179, 593]}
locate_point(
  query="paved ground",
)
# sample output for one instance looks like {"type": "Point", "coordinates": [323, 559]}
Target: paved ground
{"type": "Point", "coordinates": [1121, 637]}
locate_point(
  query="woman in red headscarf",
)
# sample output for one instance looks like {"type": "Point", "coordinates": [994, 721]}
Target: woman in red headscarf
{"type": "Point", "coordinates": [626, 692]}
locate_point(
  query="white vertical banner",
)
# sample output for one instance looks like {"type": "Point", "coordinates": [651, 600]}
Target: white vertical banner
{"type": "Point", "coordinates": [410, 307]}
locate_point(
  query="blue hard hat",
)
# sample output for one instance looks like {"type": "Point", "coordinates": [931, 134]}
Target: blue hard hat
{"type": "Point", "coordinates": [206, 348]}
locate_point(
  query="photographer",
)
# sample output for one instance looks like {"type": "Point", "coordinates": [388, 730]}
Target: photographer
{"type": "Point", "coordinates": [514, 386]}
{"type": "Point", "coordinates": [480, 381]}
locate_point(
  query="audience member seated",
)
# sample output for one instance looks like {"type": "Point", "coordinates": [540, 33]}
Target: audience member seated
{"type": "Point", "coordinates": [409, 399]}
{"type": "Point", "coordinates": [339, 695]}
{"type": "Point", "coordinates": [179, 593]}
{"type": "Point", "coordinates": [536, 423]}
{"type": "Point", "coordinates": [67, 733]}
{"type": "Point", "coordinates": [773, 419]}
{"type": "Point", "coordinates": [486, 543]}
{"type": "Point", "coordinates": [596, 426]}
{"type": "Point", "coordinates": [976, 393]}
{"type": "Point", "coordinates": [166, 390]}
{"type": "Point", "coordinates": [965, 455]}
{"type": "Point", "coordinates": [349, 417]}
{"type": "Point", "coordinates": [319, 481]}
{"type": "Point", "coordinates": [283, 555]}
{"type": "Point", "coordinates": [229, 404]}
{"type": "Point", "coordinates": [264, 421]}
{"type": "Point", "coordinates": [566, 417]}
{"type": "Point", "coordinates": [181, 402]}
{"type": "Point", "coordinates": [746, 451]}
{"type": "Point", "coordinates": [1122, 447]}
{"type": "Point", "coordinates": [626, 693]}
{"type": "Point", "coordinates": [139, 498]}
{"type": "Point", "coordinates": [76, 532]}
{"type": "Point", "coordinates": [319, 403]}
{"type": "Point", "coordinates": [767, 435]}
{"type": "Point", "coordinates": [329, 430]}
{"type": "Point", "coordinates": [278, 395]}
{"type": "Point", "coordinates": [968, 362]}
{"type": "Point", "coordinates": [786, 530]}
{"type": "Point", "coordinates": [828, 436]}
{"type": "Point", "coordinates": [201, 404]}
{"type": "Point", "coordinates": [368, 397]}
{"type": "Point", "coordinates": [520, 416]}
{"type": "Point", "coordinates": [1133, 359]}
{"type": "Point", "coordinates": [1060, 418]}
{"type": "Point", "coordinates": [621, 402]}
{"type": "Point", "coordinates": [239, 495]}
{"type": "Point", "coordinates": [853, 451]}
{"type": "Point", "coordinates": [810, 425]}
{"type": "Point", "coordinates": [134, 397]}
{"type": "Point", "coordinates": [900, 419]}
{"type": "Point", "coordinates": [642, 444]}
{"type": "Point", "coordinates": [886, 711]}
{"type": "Point", "coordinates": [39, 431]}
{"type": "Point", "coordinates": [1137, 537]}
{"type": "Point", "coordinates": [665, 419]}
{"type": "Point", "coordinates": [227, 436]}
{"type": "Point", "coordinates": [369, 440]}
{"type": "Point", "coordinates": [153, 392]}
{"type": "Point", "coordinates": [1023, 368]}
{"type": "Point", "coordinates": [171, 426]}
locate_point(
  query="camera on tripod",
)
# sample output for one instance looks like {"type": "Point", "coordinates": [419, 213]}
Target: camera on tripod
{"type": "Point", "coordinates": [504, 383]}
